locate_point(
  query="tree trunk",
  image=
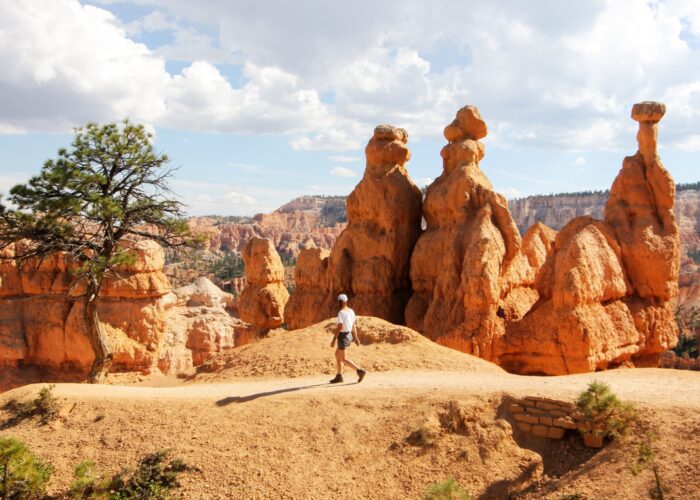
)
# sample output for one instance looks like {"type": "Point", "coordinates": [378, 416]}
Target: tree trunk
{"type": "Point", "coordinates": [98, 341]}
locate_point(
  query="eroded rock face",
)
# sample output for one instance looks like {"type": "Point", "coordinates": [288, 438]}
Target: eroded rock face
{"type": "Point", "coordinates": [263, 300]}
{"type": "Point", "coordinates": [608, 288]}
{"type": "Point", "coordinates": [309, 302]}
{"type": "Point", "coordinates": [41, 317]}
{"type": "Point", "coordinates": [458, 264]}
{"type": "Point", "coordinates": [198, 326]}
{"type": "Point", "coordinates": [370, 259]}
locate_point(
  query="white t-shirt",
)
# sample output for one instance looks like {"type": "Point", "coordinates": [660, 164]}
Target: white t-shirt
{"type": "Point", "coordinates": [346, 318]}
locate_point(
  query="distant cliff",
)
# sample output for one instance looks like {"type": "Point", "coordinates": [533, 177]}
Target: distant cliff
{"type": "Point", "coordinates": [558, 209]}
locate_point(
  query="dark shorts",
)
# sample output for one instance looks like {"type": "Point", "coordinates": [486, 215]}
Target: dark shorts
{"type": "Point", "coordinates": [344, 340]}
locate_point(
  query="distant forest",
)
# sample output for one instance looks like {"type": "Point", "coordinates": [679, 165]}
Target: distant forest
{"type": "Point", "coordinates": [690, 186]}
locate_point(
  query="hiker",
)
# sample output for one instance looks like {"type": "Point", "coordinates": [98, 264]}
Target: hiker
{"type": "Point", "coordinates": [344, 336]}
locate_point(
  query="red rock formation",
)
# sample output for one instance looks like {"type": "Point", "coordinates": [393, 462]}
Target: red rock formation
{"type": "Point", "coordinates": [289, 227]}
{"type": "Point", "coordinates": [41, 320]}
{"type": "Point", "coordinates": [263, 300]}
{"type": "Point", "coordinates": [198, 326]}
{"type": "Point", "coordinates": [607, 289]}
{"type": "Point", "coordinates": [310, 298]}
{"type": "Point", "coordinates": [458, 264]}
{"type": "Point", "coordinates": [370, 259]}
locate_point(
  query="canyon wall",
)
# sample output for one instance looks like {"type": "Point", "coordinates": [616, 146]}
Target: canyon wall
{"type": "Point", "coordinates": [316, 218]}
{"type": "Point", "coordinates": [147, 325]}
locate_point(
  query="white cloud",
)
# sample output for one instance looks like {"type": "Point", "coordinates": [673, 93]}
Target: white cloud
{"type": "Point", "coordinates": [344, 159]}
{"type": "Point", "coordinates": [342, 172]}
{"type": "Point", "coordinates": [545, 75]}
{"type": "Point", "coordinates": [240, 198]}
{"type": "Point", "coordinates": [580, 161]}
{"type": "Point", "coordinates": [424, 181]}
{"type": "Point", "coordinates": [690, 143]}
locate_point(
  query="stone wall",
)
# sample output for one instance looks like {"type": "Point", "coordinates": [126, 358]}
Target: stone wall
{"type": "Point", "coordinates": [549, 418]}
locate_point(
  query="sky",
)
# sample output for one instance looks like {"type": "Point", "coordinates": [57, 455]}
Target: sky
{"type": "Point", "coordinates": [257, 103]}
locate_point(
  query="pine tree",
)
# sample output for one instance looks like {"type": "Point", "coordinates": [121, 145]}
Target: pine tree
{"type": "Point", "coordinates": [108, 189]}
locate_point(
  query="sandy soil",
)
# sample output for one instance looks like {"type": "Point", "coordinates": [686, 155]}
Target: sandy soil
{"type": "Point", "coordinates": [279, 436]}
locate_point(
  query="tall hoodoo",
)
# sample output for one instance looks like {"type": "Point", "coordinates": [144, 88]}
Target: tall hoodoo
{"type": "Point", "coordinates": [640, 212]}
{"type": "Point", "coordinates": [459, 261]}
{"type": "Point", "coordinates": [608, 288]}
{"type": "Point", "coordinates": [370, 259]}
{"type": "Point", "coordinates": [263, 300]}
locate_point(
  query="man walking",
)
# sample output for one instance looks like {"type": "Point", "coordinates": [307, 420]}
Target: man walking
{"type": "Point", "coordinates": [345, 332]}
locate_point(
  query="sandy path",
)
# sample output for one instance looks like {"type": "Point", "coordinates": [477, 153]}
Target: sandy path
{"type": "Point", "coordinates": [650, 387]}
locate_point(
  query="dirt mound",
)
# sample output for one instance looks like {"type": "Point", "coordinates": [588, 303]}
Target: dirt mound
{"type": "Point", "coordinates": [307, 352]}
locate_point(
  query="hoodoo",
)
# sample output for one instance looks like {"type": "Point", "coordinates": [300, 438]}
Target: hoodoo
{"type": "Point", "coordinates": [262, 302]}
{"type": "Point", "coordinates": [460, 260]}
{"type": "Point", "coordinates": [608, 288]}
{"type": "Point", "coordinates": [42, 321]}
{"type": "Point", "coordinates": [371, 257]}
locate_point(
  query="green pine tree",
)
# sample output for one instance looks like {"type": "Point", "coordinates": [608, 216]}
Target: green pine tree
{"type": "Point", "coordinates": [108, 188]}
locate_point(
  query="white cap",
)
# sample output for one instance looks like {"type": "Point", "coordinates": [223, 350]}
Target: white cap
{"type": "Point", "coordinates": [342, 298]}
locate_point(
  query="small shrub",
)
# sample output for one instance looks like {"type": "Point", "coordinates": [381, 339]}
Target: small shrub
{"type": "Point", "coordinates": [152, 480]}
{"type": "Point", "coordinates": [22, 474]}
{"type": "Point", "coordinates": [88, 483]}
{"type": "Point", "coordinates": [45, 406]}
{"type": "Point", "coordinates": [607, 415]}
{"type": "Point", "coordinates": [447, 490]}
{"type": "Point", "coordinates": [646, 458]}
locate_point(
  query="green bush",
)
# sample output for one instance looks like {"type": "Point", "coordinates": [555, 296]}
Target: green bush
{"type": "Point", "coordinates": [447, 490]}
{"type": "Point", "coordinates": [45, 406]}
{"type": "Point", "coordinates": [152, 480]}
{"type": "Point", "coordinates": [88, 483]}
{"type": "Point", "coordinates": [22, 474]}
{"type": "Point", "coordinates": [607, 415]}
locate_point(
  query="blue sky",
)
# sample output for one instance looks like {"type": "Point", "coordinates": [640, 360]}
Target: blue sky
{"type": "Point", "coordinates": [260, 103]}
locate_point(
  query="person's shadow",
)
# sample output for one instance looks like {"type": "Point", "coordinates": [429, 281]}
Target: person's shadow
{"type": "Point", "coordinates": [251, 397]}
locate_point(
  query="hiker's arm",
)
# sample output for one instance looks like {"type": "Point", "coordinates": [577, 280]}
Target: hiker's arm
{"type": "Point", "coordinates": [335, 335]}
{"type": "Point", "coordinates": [354, 334]}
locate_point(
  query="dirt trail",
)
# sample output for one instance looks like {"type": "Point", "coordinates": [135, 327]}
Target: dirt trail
{"type": "Point", "coordinates": [647, 386]}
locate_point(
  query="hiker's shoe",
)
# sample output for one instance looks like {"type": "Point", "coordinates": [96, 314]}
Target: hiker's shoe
{"type": "Point", "coordinates": [360, 375]}
{"type": "Point", "coordinates": [338, 378]}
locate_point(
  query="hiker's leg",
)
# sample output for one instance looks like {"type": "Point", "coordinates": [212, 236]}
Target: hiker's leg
{"type": "Point", "coordinates": [351, 364]}
{"type": "Point", "coordinates": [339, 358]}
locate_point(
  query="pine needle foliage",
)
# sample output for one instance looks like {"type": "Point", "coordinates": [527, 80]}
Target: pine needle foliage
{"type": "Point", "coordinates": [609, 417]}
{"type": "Point", "coordinates": [153, 479]}
{"type": "Point", "coordinates": [22, 474]}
